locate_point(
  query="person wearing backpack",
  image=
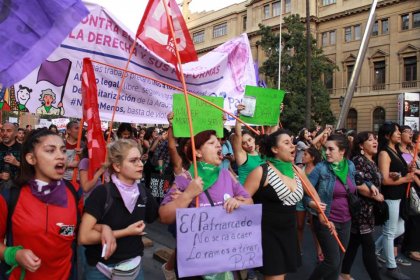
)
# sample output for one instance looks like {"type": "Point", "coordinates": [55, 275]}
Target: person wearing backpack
{"type": "Point", "coordinates": [125, 206]}
{"type": "Point", "coordinates": [39, 215]}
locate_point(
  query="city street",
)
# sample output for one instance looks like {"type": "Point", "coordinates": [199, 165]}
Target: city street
{"type": "Point", "coordinates": [162, 238]}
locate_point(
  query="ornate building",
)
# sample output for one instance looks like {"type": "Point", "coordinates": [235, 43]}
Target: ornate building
{"type": "Point", "coordinates": [391, 64]}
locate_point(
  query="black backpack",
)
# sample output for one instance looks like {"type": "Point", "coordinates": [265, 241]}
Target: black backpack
{"type": "Point", "coordinates": [11, 196]}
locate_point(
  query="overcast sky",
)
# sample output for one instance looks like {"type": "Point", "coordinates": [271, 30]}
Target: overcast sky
{"type": "Point", "coordinates": [130, 12]}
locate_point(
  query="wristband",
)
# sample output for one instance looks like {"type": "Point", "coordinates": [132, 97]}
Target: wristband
{"type": "Point", "coordinates": [10, 259]}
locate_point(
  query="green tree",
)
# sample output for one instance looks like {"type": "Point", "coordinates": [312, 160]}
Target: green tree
{"type": "Point", "coordinates": [293, 73]}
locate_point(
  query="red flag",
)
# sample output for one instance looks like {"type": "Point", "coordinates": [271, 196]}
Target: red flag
{"type": "Point", "coordinates": [154, 32]}
{"type": "Point", "coordinates": [95, 140]}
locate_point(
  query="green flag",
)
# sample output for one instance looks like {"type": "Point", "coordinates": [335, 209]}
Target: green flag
{"type": "Point", "coordinates": [267, 105]}
{"type": "Point", "coordinates": [204, 116]}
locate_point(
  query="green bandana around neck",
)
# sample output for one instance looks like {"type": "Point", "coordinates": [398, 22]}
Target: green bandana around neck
{"type": "Point", "coordinates": [47, 108]}
{"type": "Point", "coordinates": [21, 107]}
{"type": "Point", "coordinates": [341, 169]}
{"type": "Point", "coordinates": [286, 168]}
{"type": "Point", "coordinates": [208, 172]}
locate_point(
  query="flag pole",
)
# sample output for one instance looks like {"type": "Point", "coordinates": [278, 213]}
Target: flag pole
{"type": "Point", "coordinates": [79, 140]}
{"type": "Point", "coordinates": [184, 87]}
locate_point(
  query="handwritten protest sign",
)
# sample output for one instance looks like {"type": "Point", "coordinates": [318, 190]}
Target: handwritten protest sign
{"type": "Point", "coordinates": [204, 116]}
{"type": "Point", "coordinates": [61, 123]}
{"type": "Point", "coordinates": [210, 241]}
{"type": "Point", "coordinates": [267, 105]}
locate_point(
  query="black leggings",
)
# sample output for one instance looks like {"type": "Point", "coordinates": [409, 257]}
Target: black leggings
{"type": "Point", "coordinates": [368, 253]}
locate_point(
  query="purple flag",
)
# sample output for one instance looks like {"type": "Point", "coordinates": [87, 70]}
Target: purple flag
{"type": "Point", "coordinates": [55, 72]}
{"type": "Point", "coordinates": [31, 30]}
{"type": "Point", "coordinates": [209, 240]}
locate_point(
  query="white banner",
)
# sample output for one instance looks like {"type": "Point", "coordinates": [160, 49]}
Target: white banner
{"type": "Point", "coordinates": [55, 88]}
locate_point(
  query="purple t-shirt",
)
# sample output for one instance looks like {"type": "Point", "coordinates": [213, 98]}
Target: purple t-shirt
{"type": "Point", "coordinates": [340, 212]}
{"type": "Point", "coordinates": [225, 184]}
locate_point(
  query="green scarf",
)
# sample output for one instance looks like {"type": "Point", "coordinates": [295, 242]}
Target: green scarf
{"type": "Point", "coordinates": [1, 105]}
{"type": "Point", "coordinates": [47, 108]}
{"type": "Point", "coordinates": [286, 168]}
{"type": "Point", "coordinates": [341, 169]}
{"type": "Point", "coordinates": [21, 107]}
{"type": "Point", "coordinates": [208, 172]}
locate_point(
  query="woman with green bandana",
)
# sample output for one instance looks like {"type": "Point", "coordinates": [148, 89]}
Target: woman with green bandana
{"type": "Point", "coordinates": [277, 186]}
{"type": "Point", "coordinates": [332, 178]}
{"type": "Point", "coordinates": [213, 186]}
{"type": "Point", "coordinates": [244, 150]}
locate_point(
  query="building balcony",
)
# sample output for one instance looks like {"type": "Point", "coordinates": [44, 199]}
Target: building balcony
{"type": "Point", "coordinates": [409, 84]}
{"type": "Point", "coordinates": [379, 87]}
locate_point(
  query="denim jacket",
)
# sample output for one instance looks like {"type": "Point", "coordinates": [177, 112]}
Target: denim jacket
{"type": "Point", "coordinates": [323, 179]}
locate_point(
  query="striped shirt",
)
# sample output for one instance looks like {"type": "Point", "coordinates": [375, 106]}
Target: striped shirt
{"type": "Point", "coordinates": [288, 197]}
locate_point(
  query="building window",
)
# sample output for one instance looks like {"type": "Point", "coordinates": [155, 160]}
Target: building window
{"type": "Point", "coordinates": [347, 34]}
{"type": "Point", "coordinates": [378, 118]}
{"type": "Point", "coordinates": [357, 32]}
{"type": "Point", "coordinates": [332, 37]}
{"type": "Point", "coordinates": [325, 39]}
{"type": "Point", "coordinates": [266, 11]}
{"type": "Point", "coordinates": [287, 6]}
{"type": "Point", "coordinates": [410, 72]}
{"type": "Point", "coordinates": [379, 75]}
{"type": "Point", "coordinates": [416, 19]}
{"type": "Point", "coordinates": [385, 26]}
{"type": "Point", "coordinates": [349, 72]}
{"type": "Point", "coordinates": [375, 30]}
{"type": "Point", "coordinates": [244, 23]}
{"type": "Point", "coordinates": [352, 120]}
{"type": "Point", "coordinates": [328, 2]}
{"type": "Point", "coordinates": [198, 37]}
{"type": "Point", "coordinates": [220, 30]}
{"type": "Point", "coordinates": [329, 82]}
{"type": "Point", "coordinates": [276, 8]}
{"type": "Point", "coordinates": [405, 19]}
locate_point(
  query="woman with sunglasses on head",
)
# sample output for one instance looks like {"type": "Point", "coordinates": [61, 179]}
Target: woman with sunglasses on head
{"type": "Point", "coordinates": [411, 243]}
{"type": "Point", "coordinates": [395, 177]}
{"type": "Point", "coordinates": [278, 188]}
{"type": "Point", "coordinates": [365, 148]}
{"type": "Point", "coordinates": [123, 205]}
{"type": "Point", "coordinates": [214, 186]}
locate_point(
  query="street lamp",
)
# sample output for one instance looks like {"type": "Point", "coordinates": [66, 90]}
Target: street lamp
{"type": "Point", "coordinates": [341, 101]}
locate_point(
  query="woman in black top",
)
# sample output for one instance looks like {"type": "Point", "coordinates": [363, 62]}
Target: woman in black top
{"type": "Point", "coordinates": [395, 177]}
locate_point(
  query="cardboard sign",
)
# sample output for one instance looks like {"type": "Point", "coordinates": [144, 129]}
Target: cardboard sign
{"type": "Point", "coordinates": [204, 116]}
{"type": "Point", "coordinates": [267, 105]}
{"type": "Point", "coordinates": [209, 240]}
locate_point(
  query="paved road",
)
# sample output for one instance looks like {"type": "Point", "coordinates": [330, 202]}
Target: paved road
{"type": "Point", "coordinates": [161, 237]}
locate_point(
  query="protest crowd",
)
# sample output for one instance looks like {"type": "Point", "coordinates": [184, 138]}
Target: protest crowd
{"type": "Point", "coordinates": [47, 220]}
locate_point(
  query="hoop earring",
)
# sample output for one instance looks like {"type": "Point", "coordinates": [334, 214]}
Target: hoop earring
{"type": "Point", "coordinates": [362, 152]}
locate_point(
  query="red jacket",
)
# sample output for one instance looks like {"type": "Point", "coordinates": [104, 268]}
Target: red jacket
{"type": "Point", "coordinates": [47, 230]}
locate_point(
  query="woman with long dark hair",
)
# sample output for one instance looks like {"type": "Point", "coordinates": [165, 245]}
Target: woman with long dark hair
{"type": "Point", "coordinates": [277, 186]}
{"type": "Point", "coordinates": [395, 177]}
{"type": "Point", "coordinates": [365, 148]}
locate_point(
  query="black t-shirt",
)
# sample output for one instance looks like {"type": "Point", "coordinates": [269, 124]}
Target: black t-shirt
{"type": "Point", "coordinates": [398, 164]}
{"type": "Point", "coordinates": [118, 217]}
{"type": "Point", "coordinates": [15, 150]}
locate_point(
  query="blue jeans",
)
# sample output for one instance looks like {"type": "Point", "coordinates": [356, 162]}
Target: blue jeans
{"type": "Point", "coordinates": [92, 273]}
{"type": "Point", "coordinates": [392, 228]}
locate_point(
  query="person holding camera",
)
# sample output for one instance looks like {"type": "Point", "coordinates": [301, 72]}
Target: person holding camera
{"type": "Point", "coordinates": [9, 152]}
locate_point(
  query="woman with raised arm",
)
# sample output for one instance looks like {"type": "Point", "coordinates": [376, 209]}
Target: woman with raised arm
{"type": "Point", "coordinates": [278, 188]}
{"type": "Point", "coordinates": [244, 150]}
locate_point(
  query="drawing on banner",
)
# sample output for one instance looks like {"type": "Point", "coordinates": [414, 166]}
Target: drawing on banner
{"type": "Point", "coordinates": [47, 99]}
{"type": "Point", "coordinates": [22, 97]}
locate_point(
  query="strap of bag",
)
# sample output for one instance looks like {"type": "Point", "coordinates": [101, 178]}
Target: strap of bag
{"type": "Point", "coordinates": [264, 174]}
{"type": "Point", "coordinates": [206, 192]}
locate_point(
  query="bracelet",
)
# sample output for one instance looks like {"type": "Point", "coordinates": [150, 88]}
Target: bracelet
{"type": "Point", "coordinates": [10, 259]}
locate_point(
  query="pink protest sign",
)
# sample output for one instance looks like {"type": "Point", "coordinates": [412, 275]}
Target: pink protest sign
{"type": "Point", "coordinates": [209, 240]}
